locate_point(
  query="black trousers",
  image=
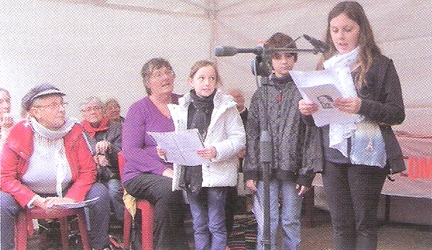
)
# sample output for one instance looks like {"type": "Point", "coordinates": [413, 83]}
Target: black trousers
{"type": "Point", "coordinates": [353, 193]}
{"type": "Point", "coordinates": [168, 230]}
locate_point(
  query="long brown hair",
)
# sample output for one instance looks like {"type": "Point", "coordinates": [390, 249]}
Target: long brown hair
{"type": "Point", "coordinates": [366, 41]}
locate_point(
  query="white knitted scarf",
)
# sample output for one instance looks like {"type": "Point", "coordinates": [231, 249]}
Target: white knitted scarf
{"type": "Point", "coordinates": [339, 133]}
{"type": "Point", "coordinates": [50, 140]}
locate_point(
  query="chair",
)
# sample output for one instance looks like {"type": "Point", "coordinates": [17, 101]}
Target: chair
{"type": "Point", "coordinates": [25, 218]}
{"type": "Point", "coordinates": [147, 215]}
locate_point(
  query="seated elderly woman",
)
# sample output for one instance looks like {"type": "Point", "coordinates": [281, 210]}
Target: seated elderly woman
{"type": "Point", "coordinates": [145, 174]}
{"type": "Point", "coordinates": [6, 120]}
{"type": "Point", "coordinates": [45, 162]}
{"type": "Point", "coordinates": [104, 140]}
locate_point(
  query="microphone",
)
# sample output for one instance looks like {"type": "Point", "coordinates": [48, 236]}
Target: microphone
{"type": "Point", "coordinates": [317, 44]}
{"type": "Point", "coordinates": [230, 51]}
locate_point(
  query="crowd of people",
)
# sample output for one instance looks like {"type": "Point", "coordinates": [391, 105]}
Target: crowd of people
{"type": "Point", "coordinates": [49, 158]}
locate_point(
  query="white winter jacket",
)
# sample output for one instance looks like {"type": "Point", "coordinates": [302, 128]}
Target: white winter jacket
{"type": "Point", "coordinates": [225, 132]}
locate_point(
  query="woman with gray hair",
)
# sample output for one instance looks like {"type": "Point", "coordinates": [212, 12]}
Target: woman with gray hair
{"type": "Point", "coordinates": [104, 140]}
{"type": "Point", "coordinates": [46, 162]}
{"type": "Point", "coordinates": [145, 175]}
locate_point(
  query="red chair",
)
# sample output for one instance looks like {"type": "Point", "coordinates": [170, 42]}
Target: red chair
{"type": "Point", "coordinates": [25, 217]}
{"type": "Point", "coordinates": [147, 215]}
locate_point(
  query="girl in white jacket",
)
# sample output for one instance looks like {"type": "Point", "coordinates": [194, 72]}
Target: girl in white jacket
{"type": "Point", "coordinates": [216, 117]}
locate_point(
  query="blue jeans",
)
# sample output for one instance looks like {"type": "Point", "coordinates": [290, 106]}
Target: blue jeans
{"type": "Point", "coordinates": [115, 191]}
{"type": "Point", "coordinates": [208, 215]}
{"type": "Point", "coordinates": [291, 204]}
{"type": "Point", "coordinates": [98, 213]}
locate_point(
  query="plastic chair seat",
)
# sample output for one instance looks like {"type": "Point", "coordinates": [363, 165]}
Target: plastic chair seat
{"type": "Point", "coordinates": [147, 216]}
{"type": "Point", "coordinates": [25, 217]}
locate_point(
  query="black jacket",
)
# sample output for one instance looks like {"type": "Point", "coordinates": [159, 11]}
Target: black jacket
{"type": "Point", "coordinates": [295, 146]}
{"type": "Point", "coordinates": [382, 102]}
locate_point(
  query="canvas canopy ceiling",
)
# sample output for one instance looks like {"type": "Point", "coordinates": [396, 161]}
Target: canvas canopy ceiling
{"type": "Point", "coordinates": [97, 47]}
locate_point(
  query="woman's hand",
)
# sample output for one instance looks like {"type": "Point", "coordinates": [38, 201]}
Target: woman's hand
{"type": "Point", "coordinates": [7, 121]}
{"type": "Point", "coordinates": [102, 160]}
{"type": "Point", "coordinates": [168, 173]}
{"type": "Point", "coordinates": [350, 105]}
{"type": "Point", "coordinates": [307, 107]}
{"type": "Point", "coordinates": [251, 184]}
{"type": "Point", "coordinates": [207, 153]}
{"type": "Point", "coordinates": [49, 203]}
{"type": "Point", "coordinates": [103, 147]}
{"type": "Point", "coordinates": [161, 153]}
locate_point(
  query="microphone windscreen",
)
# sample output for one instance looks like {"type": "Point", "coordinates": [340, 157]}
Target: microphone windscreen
{"type": "Point", "coordinates": [225, 51]}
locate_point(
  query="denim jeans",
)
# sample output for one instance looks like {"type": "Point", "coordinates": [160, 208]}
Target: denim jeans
{"type": "Point", "coordinates": [290, 212]}
{"type": "Point", "coordinates": [208, 215]}
{"type": "Point", "coordinates": [98, 213]}
{"type": "Point", "coordinates": [115, 191]}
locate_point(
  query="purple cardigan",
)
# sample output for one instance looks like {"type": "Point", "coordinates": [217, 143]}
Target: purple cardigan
{"type": "Point", "coordinates": [138, 148]}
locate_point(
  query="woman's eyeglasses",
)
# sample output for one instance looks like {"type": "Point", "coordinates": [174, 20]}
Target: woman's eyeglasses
{"type": "Point", "coordinates": [54, 105]}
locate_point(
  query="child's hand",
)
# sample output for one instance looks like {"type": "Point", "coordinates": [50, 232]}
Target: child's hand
{"type": "Point", "coordinates": [207, 153]}
{"type": "Point", "coordinates": [302, 189]}
{"type": "Point", "coordinates": [251, 184]}
{"type": "Point", "coordinates": [161, 153]}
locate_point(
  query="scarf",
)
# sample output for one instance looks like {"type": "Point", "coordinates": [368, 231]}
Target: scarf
{"type": "Point", "coordinates": [50, 140]}
{"type": "Point", "coordinates": [199, 117]}
{"type": "Point", "coordinates": [53, 134]}
{"type": "Point", "coordinates": [281, 80]}
{"type": "Point", "coordinates": [103, 126]}
{"type": "Point", "coordinates": [339, 133]}
{"type": "Point", "coordinates": [200, 112]}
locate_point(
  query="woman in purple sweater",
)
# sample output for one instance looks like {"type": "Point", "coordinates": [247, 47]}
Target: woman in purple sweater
{"type": "Point", "coordinates": [146, 175]}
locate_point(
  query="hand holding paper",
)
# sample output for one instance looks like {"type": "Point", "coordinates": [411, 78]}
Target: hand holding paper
{"type": "Point", "coordinates": [75, 204]}
{"type": "Point", "coordinates": [323, 88]}
{"type": "Point", "coordinates": [181, 147]}
{"type": "Point", "coordinates": [350, 105]}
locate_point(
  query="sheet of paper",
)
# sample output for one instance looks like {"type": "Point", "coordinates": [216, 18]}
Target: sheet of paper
{"type": "Point", "coordinates": [77, 204]}
{"type": "Point", "coordinates": [180, 146]}
{"type": "Point", "coordinates": [322, 88]}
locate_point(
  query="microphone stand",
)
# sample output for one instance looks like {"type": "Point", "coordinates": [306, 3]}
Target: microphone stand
{"type": "Point", "coordinates": [263, 68]}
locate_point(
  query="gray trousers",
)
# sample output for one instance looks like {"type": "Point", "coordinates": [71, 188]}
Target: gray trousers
{"type": "Point", "coordinates": [98, 214]}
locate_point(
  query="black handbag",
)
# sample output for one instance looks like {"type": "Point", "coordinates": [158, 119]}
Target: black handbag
{"type": "Point", "coordinates": [104, 174]}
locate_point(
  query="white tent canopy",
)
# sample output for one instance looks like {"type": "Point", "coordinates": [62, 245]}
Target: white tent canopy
{"type": "Point", "coordinates": [97, 48]}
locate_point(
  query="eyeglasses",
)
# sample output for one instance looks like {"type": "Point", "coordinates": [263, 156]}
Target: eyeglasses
{"type": "Point", "coordinates": [90, 109]}
{"type": "Point", "coordinates": [159, 73]}
{"type": "Point", "coordinates": [52, 106]}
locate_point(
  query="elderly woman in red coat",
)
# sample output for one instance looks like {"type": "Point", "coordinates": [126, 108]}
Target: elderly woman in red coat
{"type": "Point", "coordinates": [45, 161]}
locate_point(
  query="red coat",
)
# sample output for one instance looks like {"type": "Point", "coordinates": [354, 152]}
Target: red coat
{"type": "Point", "coordinates": [15, 159]}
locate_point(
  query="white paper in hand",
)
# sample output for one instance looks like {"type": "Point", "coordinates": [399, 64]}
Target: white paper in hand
{"type": "Point", "coordinates": [180, 146]}
{"type": "Point", "coordinates": [77, 204]}
{"type": "Point", "coordinates": [323, 87]}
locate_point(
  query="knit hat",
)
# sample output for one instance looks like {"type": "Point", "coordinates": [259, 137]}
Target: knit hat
{"type": "Point", "coordinates": [38, 91]}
